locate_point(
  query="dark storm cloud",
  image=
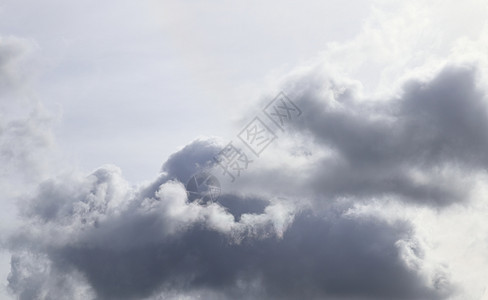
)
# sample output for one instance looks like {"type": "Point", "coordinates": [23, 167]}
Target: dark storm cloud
{"type": "Point", "coordinates": [198, 156]}
{"type": "Point", "coordinates": [193, 157]}
{"type": "Point", "coordinates": [127, 242]}
{"type": "Point", "coordinates": [317, 257]}
{"type": "Point", "coordinates": [413, 146]}
{"type": "Point", "coordinates": [131, 244]}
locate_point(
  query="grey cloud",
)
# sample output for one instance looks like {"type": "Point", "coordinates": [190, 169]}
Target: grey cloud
{"type": "Point", "coordinates": [24, 125]}
{"type": "Point", "coordinates": [195, 156]}
{"type": "Point", "coordinates": [419, 146]}
{"type": "Point", "coordinates": [33, 276]}
{"type": "Point", "coordinates": [116, 241]}
{"type": "Point", "coordinates": [23, 144]}
{"type": "Point", "coordinates": [316, 258]}
{"type": "Point", "coordinates": [127, 243]}
{"type": "Point", "coordinates": [239, 205]}
{"type": "Point", "coordinates": [12, 52]}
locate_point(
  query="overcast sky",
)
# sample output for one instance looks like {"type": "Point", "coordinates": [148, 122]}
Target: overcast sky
{"type": "Point", "coordinates": [370, 181]}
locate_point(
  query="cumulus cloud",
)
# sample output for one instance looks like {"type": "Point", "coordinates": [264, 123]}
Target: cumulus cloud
{"type": "Point", "coordinates": [97, 236]}
{"type": "Point", "coordinates": [338, 217]}
{"type": "Point", "coordinates": [124, 242]}
{"type": "Point", "coordinates": [418, 145]}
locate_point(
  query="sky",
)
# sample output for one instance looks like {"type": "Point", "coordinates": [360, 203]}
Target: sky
{"type": "Point", "coordinates": [345, 143]}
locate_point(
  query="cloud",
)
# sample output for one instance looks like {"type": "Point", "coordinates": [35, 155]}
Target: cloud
{"type": "Point", "coordinates": [97, 236]}
{"type": "Point", "coordinates": [124, 242]}
{"type": "Point", "coordinates": [336, 264]}
{"type": "Point", "coordinates": [336, 218]}
{"type": "Point", "coordinates": [13, 53]}
{"type": "Point", "coordinates": [25, 143]}
{"type": "Point", "coordinates": [24, 124]}
{"type": "Point", "coordinates": [418, 146]}
{"type": "Point", "coordinates": [198, 155]}
{"type": "Point", "coordinates": [33, 277]}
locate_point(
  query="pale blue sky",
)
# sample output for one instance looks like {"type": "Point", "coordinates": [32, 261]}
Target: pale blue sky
{"type": "Point", "coordinates": [130, 82]}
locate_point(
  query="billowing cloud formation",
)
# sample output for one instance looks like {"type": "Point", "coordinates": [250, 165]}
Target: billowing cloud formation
{"type": "Point", "coordinates": [418, 146]}
{"type": "Point", "coordinates": [129, 248]}
{"type": "Point", "coordinates": [378, 190]}
{"type": "Point", "coordinates": [98, 237]}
